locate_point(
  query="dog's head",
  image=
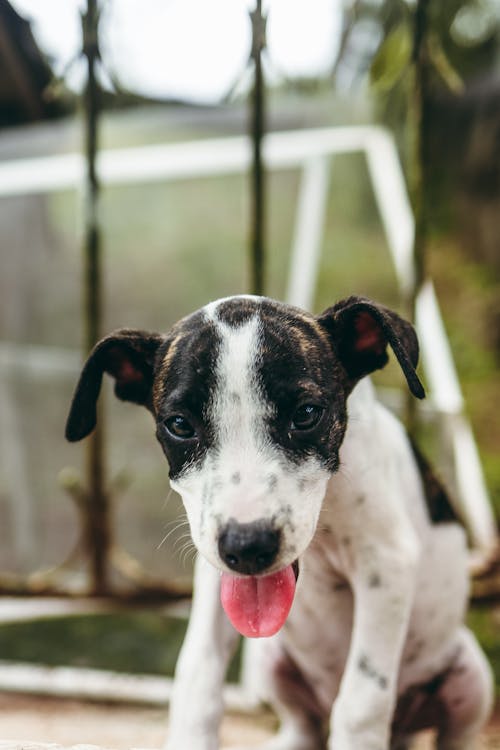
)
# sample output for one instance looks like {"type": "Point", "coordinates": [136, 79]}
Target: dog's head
{"type": "Point", "coordinates": [249, 399]}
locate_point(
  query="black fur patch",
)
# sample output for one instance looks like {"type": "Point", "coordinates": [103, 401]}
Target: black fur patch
{"type": "Point", "coordinates": [437, 499]}
{"type": "Point", "coordinates": [128, 355]}
{"type": "Point", "coordinates": [236, 312]}
{"type": "Point", "coordinates": [421, 707]}
{"type": "Point", "coordinates": [187, 382]}
{"type": "Point", "coordinates": [367, 668]}
{"type": "Point", "coordinates": [301, 361]}
{"type": "Point", "coordinates": [361, 330]}
{"type": "Point", "coordinates": [297, 367]}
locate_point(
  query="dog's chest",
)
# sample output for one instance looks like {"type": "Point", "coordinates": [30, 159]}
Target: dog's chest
{"type": "Point", "coordinates": [318, 631]}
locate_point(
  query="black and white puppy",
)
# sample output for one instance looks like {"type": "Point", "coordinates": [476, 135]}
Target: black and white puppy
{"type": "Point", "coordinates": [308, 507]}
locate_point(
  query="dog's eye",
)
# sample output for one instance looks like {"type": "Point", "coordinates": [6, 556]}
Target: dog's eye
{"type": "Point", "coordinates": [306, 417]}
{"type": "Point", "coordinates": [179, 427]}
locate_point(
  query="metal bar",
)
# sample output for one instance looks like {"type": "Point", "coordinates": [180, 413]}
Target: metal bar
{"type": "Point", "coordinates": [258, 195]}
{"type": "Point", "coordinates": [180, 161]}
{"type": "Point", "coordinates": [34, 607]}
{"type": "Point", "coordinates": [100, 685]}
{"type": "Point", "coordinates": [442, 377]}
{"type": "Point", "coordinates": [446, 394]}
{"type": "Point", "coordinates": [308, 233]}
{"type": "Point", "coordinates": [418, 171]}
{"type": "Point", "coordinates": [444, 385]}
{"type": "Point", "coordinates": [97, 517]}
{"type": "Point", "coordinates": [40, 361]}
{"type": "Point", "coordinates": [391, 196]}
{"type": "Point", "coordinates": [473, 492]}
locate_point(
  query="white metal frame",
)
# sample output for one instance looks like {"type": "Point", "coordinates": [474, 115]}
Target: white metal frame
{"type": "Point", "coordinates": [311, 151]}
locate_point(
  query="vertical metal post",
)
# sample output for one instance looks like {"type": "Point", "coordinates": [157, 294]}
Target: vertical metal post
{"type": "Point", "coordinates": [257, 124]}
{"type": "Point", "coordinates": [308, 233]}
{"type": "Point", "coordinates": [97, 532]}
{"type": "Point", "coordinates": [420, 132]}
{"type": "Point", "coordinates": [418, 176]}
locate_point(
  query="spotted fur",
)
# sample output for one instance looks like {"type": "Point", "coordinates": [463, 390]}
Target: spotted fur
{"type": "Point", "coordinates": [374, 648]}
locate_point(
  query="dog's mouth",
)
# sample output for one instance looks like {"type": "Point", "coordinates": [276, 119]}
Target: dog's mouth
{"type": "Point", "coordinates": [258, 606]}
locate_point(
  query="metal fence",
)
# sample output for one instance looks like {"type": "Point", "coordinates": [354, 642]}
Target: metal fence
{"type": "Point", "coordinates": [310, 151]}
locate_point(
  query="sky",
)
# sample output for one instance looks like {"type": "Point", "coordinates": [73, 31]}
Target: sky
{"type": "Point", "coordinates": [188, 49]}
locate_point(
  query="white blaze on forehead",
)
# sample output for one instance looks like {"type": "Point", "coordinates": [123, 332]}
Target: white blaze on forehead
{"type": "Point", "coordinates": [238, 406]}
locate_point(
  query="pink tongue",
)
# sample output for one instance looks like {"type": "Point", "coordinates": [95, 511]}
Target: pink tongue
{"type": "Point", "coordinates": [258, 606]}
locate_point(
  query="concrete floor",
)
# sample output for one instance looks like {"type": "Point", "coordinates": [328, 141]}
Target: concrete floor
{"type": "Point", "coordinates": [26, 722]}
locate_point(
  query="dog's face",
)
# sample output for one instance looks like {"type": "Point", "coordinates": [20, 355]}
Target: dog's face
{"type": "Point", "coordinates": [250, 409]}
{"type": "Point", "coordinates": [249, 398]}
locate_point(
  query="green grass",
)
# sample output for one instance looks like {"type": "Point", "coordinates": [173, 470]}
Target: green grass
{"type": "Point", "coordinates": [485, 623]}
{"type": "Point", "coordinates": [138, 643]}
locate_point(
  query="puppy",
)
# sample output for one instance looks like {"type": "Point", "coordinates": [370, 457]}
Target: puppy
{"type": "Point", "coordinates": [308, 508]}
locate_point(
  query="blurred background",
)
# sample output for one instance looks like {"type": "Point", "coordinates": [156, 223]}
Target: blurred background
{"type": "Point", "coordinates": [171, 71]}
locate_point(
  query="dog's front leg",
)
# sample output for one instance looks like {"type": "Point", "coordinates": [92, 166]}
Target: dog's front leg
{"type": "Point", "coordinates": [196, 705]}
{"type": "Point", "coordinates": [384, 583]}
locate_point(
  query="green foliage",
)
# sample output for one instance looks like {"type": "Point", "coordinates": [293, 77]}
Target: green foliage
{"type": "Point", "coordinates": [442, 65]}
{"type": "Point", "coordinates": [485, 622]}
{"type": "Point", "coordinates": [392, 58]}
{"type": "Point", "coordinates": [465, 290]}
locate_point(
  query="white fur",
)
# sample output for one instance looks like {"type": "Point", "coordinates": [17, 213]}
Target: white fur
{"type": "Point", "coordinates": [396, 620]}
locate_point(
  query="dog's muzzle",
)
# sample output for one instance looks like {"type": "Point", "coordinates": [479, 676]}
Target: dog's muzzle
{"type": "Point", "coordinates": [249, 548]}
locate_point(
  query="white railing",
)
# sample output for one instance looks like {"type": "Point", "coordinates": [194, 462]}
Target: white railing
{"type": "Point", "coordinates": [311, 151]}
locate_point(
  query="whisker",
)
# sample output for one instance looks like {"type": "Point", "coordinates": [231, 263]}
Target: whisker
{"type": "Point", "coordinates": [186, 538]}
{"type": "Point", "coordinates": [187, 550]}
{"type": "Point", "coordinates": [188, 544]}
{"type": "Point", "coordinates": [167, 499]}
{"type": "Point", "coordinates": [175, 521]}
{"type": "Point", "coordinates": [176, 525]}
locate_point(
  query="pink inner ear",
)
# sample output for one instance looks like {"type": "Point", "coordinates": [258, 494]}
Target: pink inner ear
{"type": "Point", "coordinates": [369, 336]}
{"type": "Point", "coordinates": [120, 367]}
{"type": "Point", "coordinates": [129, 373]}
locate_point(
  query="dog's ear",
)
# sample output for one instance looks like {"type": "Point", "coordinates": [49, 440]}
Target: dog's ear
{"type": "Point", "coordinates": [361, 330]}
{"type": "Point", "coordinates": [128, 356]}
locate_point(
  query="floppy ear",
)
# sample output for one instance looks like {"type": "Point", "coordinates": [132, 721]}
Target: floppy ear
{"type": "Point", "coordinates": [128, 356]}
{"type": "Point", "coordinates": [361, 331]}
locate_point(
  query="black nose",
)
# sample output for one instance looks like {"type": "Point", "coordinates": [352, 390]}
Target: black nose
{"type": "Point", "coordinates": [249, 548]}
